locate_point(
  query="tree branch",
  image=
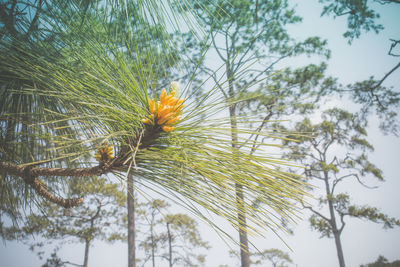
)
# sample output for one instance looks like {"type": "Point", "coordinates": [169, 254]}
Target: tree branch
{"type": "Point", "coordinates": [25, 173]}
{"type": "Point", "coordinates": [316, 212]}
{"type": "Point", "coordinates": [30, 173]}
{"type": "Point", "coordinates": [265, 120]}
{"type": "Point", "coordinates": [392, 46]}
{"type": "Point", "coordinates": [249, 46]}
{"type": "Point", "coordinates": [342, 221]}
{"type": "Point", "coordinates": [68, 262]}
{"type": "Point", "coordinates": [387, 75]}
{"type": "Point", "coordinates": [8, 19]}
{"type": "Point", "coordinates": [216, 48]}
{"type": "Point", "coordinates": [34, 20]}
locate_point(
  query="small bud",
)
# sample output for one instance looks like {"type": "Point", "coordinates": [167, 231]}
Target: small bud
{"type": "Point", "coordinates": [174, 87]}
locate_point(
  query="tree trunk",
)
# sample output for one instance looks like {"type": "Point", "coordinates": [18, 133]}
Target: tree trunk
{"type": "Point", "coordinates": [243, 240]}
{"type": "Point", "coordinates": [131, 223]}
{"type": "Point", "coordinates": [86, 257]}
{"type": "Point", "coordinates": [169, 245]}
{"type": "Point", "coordinates": [244, 245]}
{"type": "Point", "coordinates": [339, 249]}
{"type": "Point", "coordinates": [332, 222]}
{"type": "Point", "coordinates": [152, 243]}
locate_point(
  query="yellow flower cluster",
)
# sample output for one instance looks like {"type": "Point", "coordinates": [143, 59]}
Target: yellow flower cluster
{"type": "Point", "coordinates": [165, 112]}
{"type": "Point", "coordinates": [104, 153]}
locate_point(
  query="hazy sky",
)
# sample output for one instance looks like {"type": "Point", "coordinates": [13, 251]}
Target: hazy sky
{"type": "Point", "coordinates": [362, 241]}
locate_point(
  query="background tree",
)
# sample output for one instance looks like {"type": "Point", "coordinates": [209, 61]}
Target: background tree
{"type": "Point", "coordinates": [182, 237]}
{"type": "Point", "coordinates": [191, 160]}
{"type": "Point", "coordinates": [275, 256]}
{"type": "Point", "coordinates": [102, 93]}
{"type": "Point", "coordinates": [318, 152]}
{"type": "Point", "coordinates": [382, 262]}
{"type": "Point", "coordinates": [371, 93]}
{"type": "Point", "coordinates": [53, 29]}
{"type": "Point", "coordinates": [101, 217]}
{"type": "Point", "coordinates": [24, 23]}
{"type": "Point", "coordinates": [149, 213]}
{"type": "Point", "coordinates": [171, 237]}
{"type": "Point", "coordinates": [249, 39]}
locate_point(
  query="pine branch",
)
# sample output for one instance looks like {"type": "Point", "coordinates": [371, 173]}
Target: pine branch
{"type": "Point", "coordinates": [25, 173]}
{"type": "Point", "coordinates": [30, 173]}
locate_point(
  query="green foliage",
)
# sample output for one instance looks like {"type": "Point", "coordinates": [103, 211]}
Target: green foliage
{"type": "Point", "coordinates": [287, 92]}
{"type": "Point", "coordinates": [321, 225]}
{"type": "Point", "coordinates": [46, 35]}
{"type": "Point", "coordinates": [385, 100]}
{"type": "Point", "coordinates": [277, 258]}
{"type": "Point", "coordinates": [360, 16]}
{"type": "Point", "coordinates": [54, 261]}
{"type": "Point", "coordinates": [249, 43]}
{"type": "Point", "coordinates": [374, 215]}
{"type": "Point", "coordinates": [335, 151]}
{"type": "Point", "coordinates": [249, 39]}
{"type": "Point", "coordinates": [381, 261]}
{"type": "Point", "coordinates": [93, 90]}
{"type": "Point", "coordinates": [100, 217]}
{"type": "Point", "coordinates": [170, 235]}
{"type": "Point", "coordinates": [274, 256]}
{"type": "Point", "coordinates": [371, 93]}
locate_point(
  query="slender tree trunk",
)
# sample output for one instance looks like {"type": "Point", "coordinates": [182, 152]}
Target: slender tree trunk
{"type": "Point", "coordinates": [86, 257]}
{"type": "Point", "coordinates": [244, 245]}
{"type": "Point", "coordinates": [169, 245]}
{"type": "Point", "coordinates": [131, 223]}
{"type": "Point", "coordinates": [339, 249]}
{"type": "Point", "coordinates": [152, 244]}
{"type": "Point", "coordinates": [243, 240]}
{"type": "Point", "coordinates": [332, 222]}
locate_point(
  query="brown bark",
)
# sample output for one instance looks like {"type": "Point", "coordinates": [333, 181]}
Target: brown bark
{"type": "Point", "coordinates": [29, 173]}
{"type": "Point", "coordinates": [41, 190]}
{"type": "Point", "coordinates": [25, 172]}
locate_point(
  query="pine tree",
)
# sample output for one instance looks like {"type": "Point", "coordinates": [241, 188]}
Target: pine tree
{"type": "Point", "coordinates": [317, 151]}
{"type": "Point", "coordinates": [100, 217]}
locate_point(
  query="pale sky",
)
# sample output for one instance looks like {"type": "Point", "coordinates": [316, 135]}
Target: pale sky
{"type": "Point", "coordinates": [362, 241]}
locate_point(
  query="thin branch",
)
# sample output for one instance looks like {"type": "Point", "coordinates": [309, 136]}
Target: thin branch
{"type": "Point", "coordinates": [268, 67]}
{"type": "Point", "coordinates": [315, 146]}
{"type": "Point", "coordinates": [384, 2]}
{"type": "Point", "coordinates": [342, 221]}
{"type": "Point", "coordinates": [266, 119]}
{"type": "Point", "coordinates": [387, 75]}
{"type": "Point", "coordinates": [392, 46]}
{"type": "Point", "coordinates": [34, 20]}
{"type": "Point", "coordinates": [249, 47]}
{"type": "Point", "coordinates": [71, 263]}
{"type": "Point", "coordinates": [316, 212]}
{"type": "Point", "coordinates": [216, 80]}
{"type": "Point", "coordinates": [380, 83]}
{"type": "Point", "coordinates": [216, 47]}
